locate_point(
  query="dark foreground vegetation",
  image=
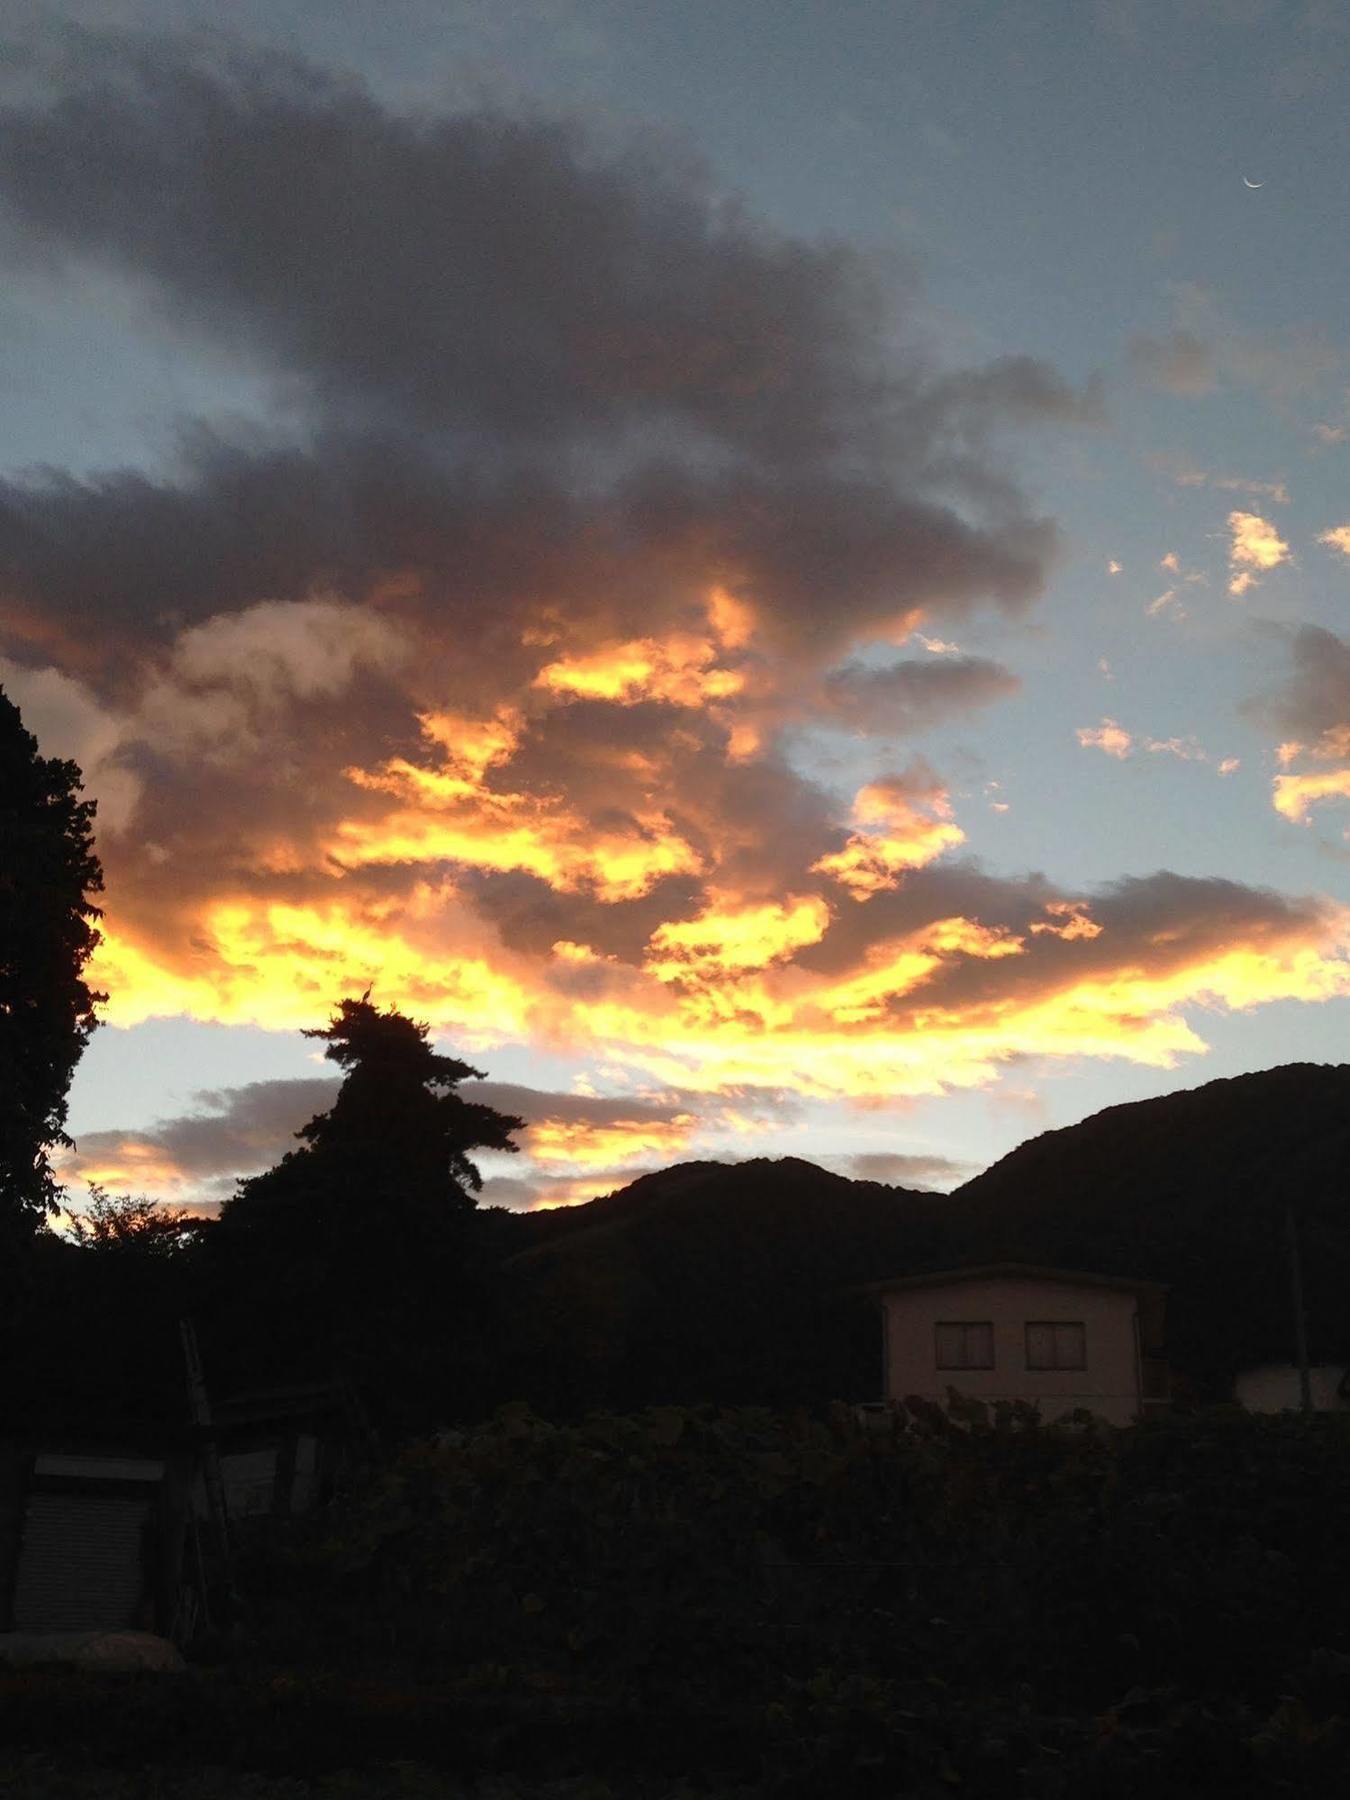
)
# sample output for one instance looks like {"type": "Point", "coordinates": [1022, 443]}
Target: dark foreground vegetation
{"type": "Point", "coordinates": [705, 1601]}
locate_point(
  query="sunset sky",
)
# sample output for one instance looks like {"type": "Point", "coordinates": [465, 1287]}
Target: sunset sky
{"type": "Point", "coordinates": [779, 572]}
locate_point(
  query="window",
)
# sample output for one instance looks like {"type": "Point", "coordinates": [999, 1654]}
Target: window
{"type": "Point", "coordinates": [963, 1344]}
{"type": "Point", "coordinates": [1057, 1344]}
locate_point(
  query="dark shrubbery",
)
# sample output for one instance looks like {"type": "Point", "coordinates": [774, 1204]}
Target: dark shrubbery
{"type": "Point", "coordinates": [915, 1597]}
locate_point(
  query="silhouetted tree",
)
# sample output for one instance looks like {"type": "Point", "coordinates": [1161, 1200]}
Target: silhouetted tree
{"type": "Point", "coordinates": [357, 1244]}
{"type": "Point", "coordinates": [48, 870]}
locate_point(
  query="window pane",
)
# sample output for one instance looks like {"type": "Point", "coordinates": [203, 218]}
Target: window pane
{"type": "Point", "coordinates": [980, 1346]}
{"type": "Point", "coordinates": [1056, 1344]}
{"type": "Point", "coordinates": [1040, 1347]}
{"type": "Point", "coordinates": [965, 1344]}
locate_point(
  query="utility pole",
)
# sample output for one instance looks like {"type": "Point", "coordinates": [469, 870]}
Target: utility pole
{"type": "Point", "coordinates": [1300, 1312]}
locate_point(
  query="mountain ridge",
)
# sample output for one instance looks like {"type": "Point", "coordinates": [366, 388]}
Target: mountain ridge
{"type": "Point", "coordinates": [728, 1280]}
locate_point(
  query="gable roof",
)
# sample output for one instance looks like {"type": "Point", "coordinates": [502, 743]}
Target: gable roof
{"type": "Point", "coordinates": [1013, 1271]}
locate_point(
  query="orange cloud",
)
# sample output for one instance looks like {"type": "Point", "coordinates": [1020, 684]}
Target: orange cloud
{"type": "Point", "coordinates": [1256, 548]}
{"type": "Point", "coordinates": [1068, 919]}
{"type": "Point", "coordinates": [576, 1144]}
{"type": "Point", "coordinates": [279, 965]}
{"type": "Point", "coordinates": [732, 619]}
{"type": "Point", "coordinates": [1294, 794]}
{"type": "Point", "coordinates": [445, 814]}
{"type": "Point", "coordinates": [902, 824]}
{"type": "Point", "coordinates": [1338, 538]}
{"type": "Point", "coordinates": [1108, 736]}
{"type": "Point", "coordinates": [129, 1165]}
{"type": "Point", "coordinates": [730, 938]}
{"type": "Point", "coordinates": [680, 669]}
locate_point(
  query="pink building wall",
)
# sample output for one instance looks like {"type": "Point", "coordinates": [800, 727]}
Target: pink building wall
{"type": "Point", "coordinates": [1109, 1386]}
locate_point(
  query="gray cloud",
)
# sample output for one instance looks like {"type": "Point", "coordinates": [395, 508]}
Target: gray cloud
{"type": "Point", "coordinates": [1180, 363]}
{"type": "Point", "coordinates": [1314, 697]}
{"type": "Point", "coordinates": [912, 697]}
{"type": "Point", "coordinates": [900, 1169]}
{"type": "Point", "coordinates": [241, 1130]}
{"type": "Point", "coordinates": [502, 295]}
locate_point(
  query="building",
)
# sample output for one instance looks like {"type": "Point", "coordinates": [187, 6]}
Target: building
{"type": "Point", "coordinates": [1058, 1338]}
{"type": "Point", "coordinates": [116, 1538]}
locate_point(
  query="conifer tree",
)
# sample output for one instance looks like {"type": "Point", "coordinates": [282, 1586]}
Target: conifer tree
{"type": "Point", "coordinates": [356, 1250]}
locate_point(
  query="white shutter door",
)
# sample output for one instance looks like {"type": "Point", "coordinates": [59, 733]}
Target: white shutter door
{"type": "Point", "coordinates": [80, 1564]}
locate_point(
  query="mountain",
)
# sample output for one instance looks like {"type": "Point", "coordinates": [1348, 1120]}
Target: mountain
{"type": "Point", "coordinates": [1192, 1189]}
{"type": "Point", "coordinates": [712, 1281]}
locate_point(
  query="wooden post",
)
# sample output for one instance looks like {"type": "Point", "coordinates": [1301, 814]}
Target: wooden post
{"type": "Point", "coordinates": [1300, 1313]}
{"type": "Point", "coordinates": [201, 1415]}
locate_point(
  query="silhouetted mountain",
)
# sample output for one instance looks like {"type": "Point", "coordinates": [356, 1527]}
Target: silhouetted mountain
{"type": "Point", "coordinates": [713, 1281]}
{"type": "Point", "coordinates": [1191, 1189]}
{"type": "Point", "coordinates": [723, 1281]}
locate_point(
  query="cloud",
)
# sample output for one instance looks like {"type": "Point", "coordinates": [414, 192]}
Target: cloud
{"type": "Point", "coordinates": [480, 672]}
{"type": "Point", "coordinates": [903, 821]}
{"type": "Point", "coordinates": [1114, 740]}
{"type": "Point", "coordinates": [1108, 736]}
{"type": "Point", "coordinates": [895, 1168]}
{"type": "Point", "coordinates": [68, 721]}
{"type": "Point", "coordinates": [1184, 473]}
{"type": "Point", "coordinates": [232, 1132]}
{"type": "Point", "coordinates": [1184, 749]}
{"type": "Point", "coordinates": [1310, 710]}
{"type": "Point", "coordinates": [1283, 367]}
{"type": "Point", "coordinates": [235, 1132]}
{"type": "Point", "coordinates": [1295, 794]}
{"type": "Point", "coordinates": [1255, 549]}
{"type": "Point", "coordinates": [909, 698]}
{"type": "Point", "coordinates": [1338, 538]}
{"type": "Point", "coordinates": [1179, 363]}
{"type": "Point", "coordinates": [1313, 701]}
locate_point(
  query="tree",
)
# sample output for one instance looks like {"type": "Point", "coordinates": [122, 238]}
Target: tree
{"type": "Point", "coordinates": [356, 1247]}
{"type": "Point", "coordinates": [131, 1225]}
{"type": "Point", "coordinates": [393, 1152]}
{"type": "Point", "coordinates": [48, 870]}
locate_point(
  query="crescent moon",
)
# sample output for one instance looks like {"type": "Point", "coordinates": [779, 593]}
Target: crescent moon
{"type": "Point", "coordinates": [1252, 184]}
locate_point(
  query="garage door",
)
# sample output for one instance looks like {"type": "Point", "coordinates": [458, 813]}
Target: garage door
{"type": "Point", "coordinates": [80, 1562]}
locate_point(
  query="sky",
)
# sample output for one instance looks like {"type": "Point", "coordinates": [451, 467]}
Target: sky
{"type": "Point", "coordinates": [779, 574]}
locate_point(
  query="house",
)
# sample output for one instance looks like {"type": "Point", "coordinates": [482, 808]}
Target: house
{"type": "Point", "coordinates": [1059, 1338]}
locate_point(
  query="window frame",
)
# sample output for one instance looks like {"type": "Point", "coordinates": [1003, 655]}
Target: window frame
{"type": "Point", "coordinates": [1056, 1364]}
{"type": "Point", "coordinates": [965, 1326]}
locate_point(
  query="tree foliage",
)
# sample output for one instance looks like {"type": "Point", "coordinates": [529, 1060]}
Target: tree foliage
{"type": "Point", "coordinates": [355, 1248]}
{"type": "Point", "coordinates": [394, 1152]}
{"type": "Point", "coordinates": [48, 870]}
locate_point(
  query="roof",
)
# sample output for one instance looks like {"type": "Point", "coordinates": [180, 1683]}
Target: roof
{"type": "Point", "coordinates": [1014, 1271]}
